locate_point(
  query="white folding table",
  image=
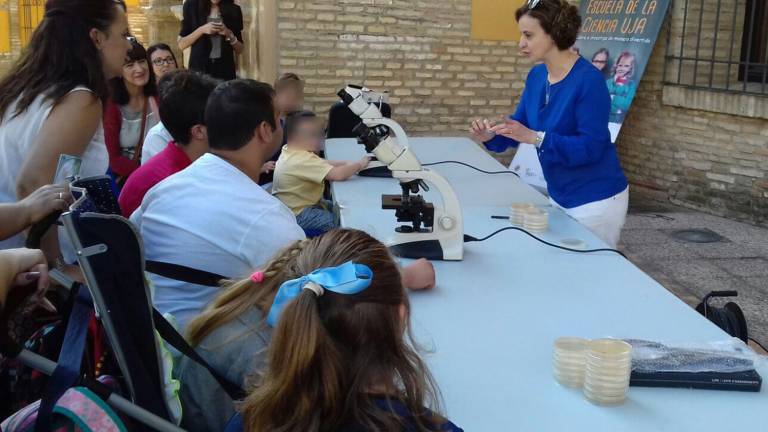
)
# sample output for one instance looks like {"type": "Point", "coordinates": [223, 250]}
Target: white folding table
{"type": "Point", "coordinates": [489, 326]}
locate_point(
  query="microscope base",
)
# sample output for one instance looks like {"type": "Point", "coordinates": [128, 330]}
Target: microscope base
{"type": "Point", "coordinates": [430, 249]}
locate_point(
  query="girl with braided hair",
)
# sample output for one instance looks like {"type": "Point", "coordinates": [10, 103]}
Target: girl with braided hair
{"type": "Point", "coordinates": [563, 112]}
{"type": "Point", "coordinates": [233, 334]}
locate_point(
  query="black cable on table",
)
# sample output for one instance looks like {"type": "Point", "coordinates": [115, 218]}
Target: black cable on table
{"type": "Point", "coordinates": [758, 344]}
{"type": "Point", "coordinates": [470, 166]}
{"type": "Point", "coordinates": [469, 239]}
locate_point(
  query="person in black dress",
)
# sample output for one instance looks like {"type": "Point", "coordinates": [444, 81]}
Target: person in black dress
{"type": "Point", "coordinates": [213, 28]}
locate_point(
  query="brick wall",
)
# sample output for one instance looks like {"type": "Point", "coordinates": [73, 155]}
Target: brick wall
{"type": "Point", "coordinates": [420, 51]}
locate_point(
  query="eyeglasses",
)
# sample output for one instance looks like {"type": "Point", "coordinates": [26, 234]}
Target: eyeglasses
{"type": "Point", "coordinates": [533, 3]}
{"type": "Point", "coordinates": [168, 61]}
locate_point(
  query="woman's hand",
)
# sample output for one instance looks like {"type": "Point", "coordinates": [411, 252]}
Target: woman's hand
{"type": "Point", "coordinates": [515, 130]}
{"type": "Point", "coordinates": [211, 28]}
{"type": "Point", "coordinates": [228, 34]}
{"type": "Point", "coordinates": [481, 130]}
{"type": "Point", "coordinates": [20, 268]}
{"type": "Point", "coordinates": [44, 201]}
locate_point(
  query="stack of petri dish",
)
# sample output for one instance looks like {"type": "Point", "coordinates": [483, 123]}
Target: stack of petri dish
{"type": "Point", "coordinates": [569, 359]}
{"type": "Point", "coordinates": [536, 220]}
{"type": "Point", "coordinates": [517, 213]}
{"type": "Point", "coordinates": [609, 365]}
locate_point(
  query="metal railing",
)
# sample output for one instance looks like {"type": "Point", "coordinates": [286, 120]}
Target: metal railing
{"type": "Point", "coordinates": [719, 45]}
{"type": "Point", "coordinates": [30, 14]}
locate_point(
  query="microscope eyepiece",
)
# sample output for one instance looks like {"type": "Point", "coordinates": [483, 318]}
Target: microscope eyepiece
{"type": "Point", "coordinates": [345, 96]}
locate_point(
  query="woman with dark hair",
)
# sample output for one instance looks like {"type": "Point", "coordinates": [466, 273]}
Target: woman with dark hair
{"type": "Point", "coordinates": [162, 59]}
{"type": "Point", "coordinates": [131, 112]}
{"type": "Point", "coordinates": [564, 113]}
{"type": "Point", "coordinates": [600, 60]}
{"type": "Point", "coordinates": [213, 28]}
{"type": "Point", "coordinates": [51, 100]}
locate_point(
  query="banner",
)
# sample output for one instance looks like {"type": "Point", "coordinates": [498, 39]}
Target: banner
{"type": "Point", "coordinates": [618, 37]}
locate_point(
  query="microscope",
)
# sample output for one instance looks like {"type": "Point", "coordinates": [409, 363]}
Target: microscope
{"type": "Point", "coordinates": [429, 232]}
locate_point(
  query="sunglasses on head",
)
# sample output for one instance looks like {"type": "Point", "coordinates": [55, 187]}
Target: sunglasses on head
{"type": "Point", "coordinates": [533, 3]}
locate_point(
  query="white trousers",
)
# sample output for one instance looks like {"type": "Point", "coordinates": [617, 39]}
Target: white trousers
{"type": "Point", "coordinates": [604, 218]}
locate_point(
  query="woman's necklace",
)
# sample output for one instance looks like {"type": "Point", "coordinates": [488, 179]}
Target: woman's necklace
{"type": "Point", "coordinates": [548, 87]}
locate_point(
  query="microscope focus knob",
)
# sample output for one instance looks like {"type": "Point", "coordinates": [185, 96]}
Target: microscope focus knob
{"type": "Point", "coordinates": [446, 222]}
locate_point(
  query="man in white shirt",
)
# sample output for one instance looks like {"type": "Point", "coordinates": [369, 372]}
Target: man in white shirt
{"type": "Point", "coordinates": [157, 138]}
{"type": "Point", "coordinates": [213, 216]}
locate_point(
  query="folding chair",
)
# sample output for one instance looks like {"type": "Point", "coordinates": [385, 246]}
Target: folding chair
{"type": "Point", "coordinates": [111, 258]}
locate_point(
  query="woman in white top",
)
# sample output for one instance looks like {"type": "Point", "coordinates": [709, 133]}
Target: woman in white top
{"type": "Point", "coordinates": [51, 101]}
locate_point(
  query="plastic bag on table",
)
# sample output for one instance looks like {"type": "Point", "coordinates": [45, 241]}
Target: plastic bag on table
{"type": "Point", "coordinates": [730, 355]}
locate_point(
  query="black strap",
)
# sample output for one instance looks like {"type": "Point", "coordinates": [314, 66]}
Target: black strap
{"type": "Point", "coordinates": [183, 273]}
{"type": "Point", "coordinates": [170, 335]}
{"type": "Point", "coordinates": [70, 359]}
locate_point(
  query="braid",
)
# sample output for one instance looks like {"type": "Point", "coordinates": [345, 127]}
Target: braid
{"type": "Point", "coordinates": [240, 296]}
{"type": "Point", "coordinates": [284, 260]}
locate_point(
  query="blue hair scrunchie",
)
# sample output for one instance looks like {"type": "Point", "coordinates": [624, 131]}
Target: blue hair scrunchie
{"type": "Point", "coordinates": [348, 278]}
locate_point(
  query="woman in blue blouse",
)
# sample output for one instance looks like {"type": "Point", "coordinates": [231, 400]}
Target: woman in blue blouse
{"type": "Point", "coordinates": [564, 112]}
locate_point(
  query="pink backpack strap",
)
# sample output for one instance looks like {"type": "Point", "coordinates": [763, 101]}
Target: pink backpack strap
{"type": "Point", "coordinates": [78, 405]}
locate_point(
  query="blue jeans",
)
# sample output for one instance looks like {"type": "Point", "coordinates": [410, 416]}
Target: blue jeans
{"type": "Point", "coordinates": [317, 218]}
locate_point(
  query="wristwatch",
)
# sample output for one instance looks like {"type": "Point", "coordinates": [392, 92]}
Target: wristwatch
{"type": "Point", "coordinates": [539, 139]}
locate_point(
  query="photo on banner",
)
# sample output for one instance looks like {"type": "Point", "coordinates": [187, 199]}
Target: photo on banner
{"type": "Point", "coordinates": [618, 37]}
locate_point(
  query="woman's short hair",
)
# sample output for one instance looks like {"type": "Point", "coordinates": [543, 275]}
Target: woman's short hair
{"type": "Point", "coordinates": [558, 18]}
{"type": "Point", "coordinates": [119, 93]}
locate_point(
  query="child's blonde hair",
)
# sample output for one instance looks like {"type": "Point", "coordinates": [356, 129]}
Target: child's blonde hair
{"type": "Point", "coordinates": [288, 80]}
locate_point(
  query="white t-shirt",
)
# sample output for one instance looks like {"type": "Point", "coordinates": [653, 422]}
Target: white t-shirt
{"type": "Point", "coordinates": [130, 128]}
{"type": "Point", "coordinates": [157, 138]}
{"type": "Point", "coordinates": [18, 135]}
{"type": "Point", "coordinates": [210, 217]}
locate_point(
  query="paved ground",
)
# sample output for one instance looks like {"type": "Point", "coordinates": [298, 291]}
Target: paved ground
{"type": "Point", "coordinates": [691, 270]}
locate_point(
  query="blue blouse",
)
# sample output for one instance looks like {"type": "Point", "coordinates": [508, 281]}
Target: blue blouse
{"type": "Point", "coordinates": [577, 157]}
